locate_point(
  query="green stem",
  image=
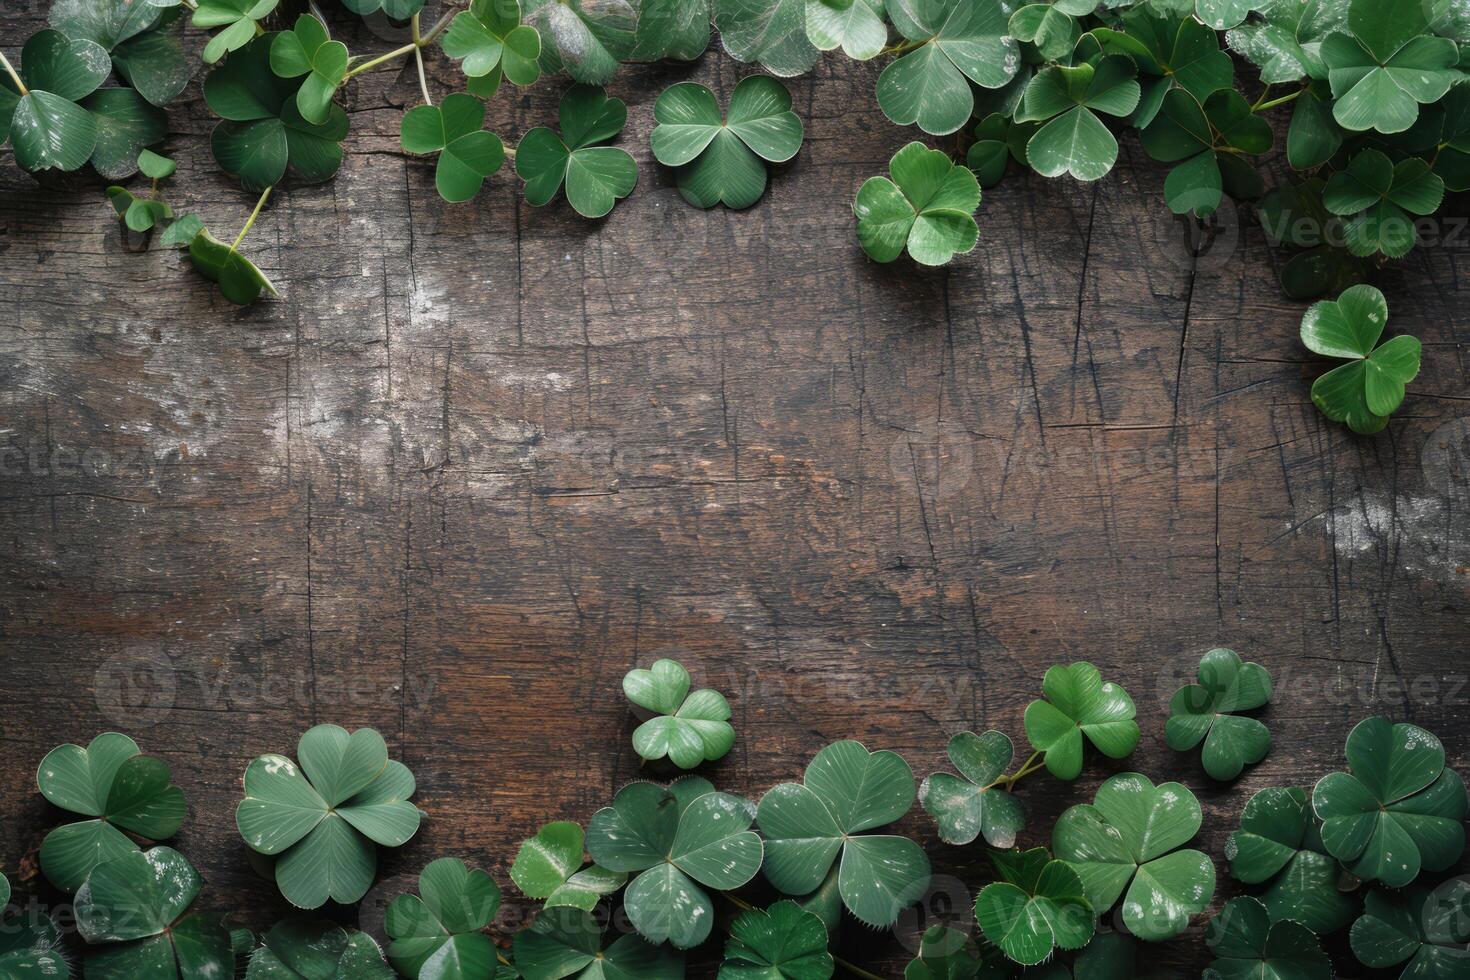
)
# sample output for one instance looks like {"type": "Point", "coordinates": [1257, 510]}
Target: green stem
{"type": "Point", "coordinates": [904, 48]}
{"type": "Point", "coordinates": [440, 26]}
{"type": "Point", "coordinates": [253, 215]}
{"type": "Point", "coordinates": [382, 59]}
{"type": "Point", "coordinates": [1265, 93]}
{"type": "Point", "coordinates": [418, 57]}
{"type": "Point", "coordinates": [1263, 106]}
{"type": "Point", "coordinates": [856, 971]}
{"type": "Point", "coordinates": [1027, 768]}
{"type": "Point", "coordinates": [20, 86]}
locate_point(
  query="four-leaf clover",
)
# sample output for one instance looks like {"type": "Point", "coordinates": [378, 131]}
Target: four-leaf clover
{"type": "Point", "coordinates": [959, 41]}
{"type": "Point", "coordinates": [926, 205]}
{"type": "Point", "coordinates": [468, 154]}
{"type": "Point", "coordinates": [1248, 945]}
{"type": "Point", "coordinates": [1037, 905]}
{"type": "Point", "coordinates": [970, 805]}
{"type": "Point", "coordinates": [46, 127]}
{"type": "Point", "coordinates": [1366, 390]}
{"type": "Point", "coordinates": [1078, 702]}
{"type": "Point", "coordinates": [1206, 712]}
{"type": "Point", "coordinates": [1380, 196]}
{"type": "Point", "coordinates": [596, 177]}
{"type": "Point", "coordinates": [436, 934]}
{"type": "Point", "coordinates": [1279, 842]}
{"type": "Point", "coordinates": [549, 867]}
{"type": "Point", "coordinates": [784, 942]}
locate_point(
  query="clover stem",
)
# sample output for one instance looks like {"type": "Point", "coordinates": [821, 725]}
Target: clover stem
{"type": "Point", "coordinates": [1027, 768]}
{"type": "Point", "coordinates": [738, 902]}
{"type": "Point", "coordinates": [418, 56]}
{"type": "Point", "coordinates": [904, 48]}
{"type": "Point", "coordinates": [253, 215]}
{"type": "Point", "coordinates": [20, 86]}
{"type": "Point", "coordinates": [382, 59]}
{"type": "Point", "coordinates": [1263, 106]}
{"type": "Point", "coordinates": [440, 26]}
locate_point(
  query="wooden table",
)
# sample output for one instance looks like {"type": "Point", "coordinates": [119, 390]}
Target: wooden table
{"type": "Point", "coordinates": [482, 459]}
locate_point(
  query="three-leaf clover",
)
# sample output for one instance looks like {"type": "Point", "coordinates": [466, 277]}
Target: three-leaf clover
{"type": "Point", "coordinates": [688, 728]}
{"type": "Point", "coordinates": [317, 949]}
{"type": "Point", "coordinates": [240, 20]}
{"type": "Point", "coordinates": [308, 52]}
{"type": "Point", "coordinates": [784, 942]}
{"type": "Point", "coordinates": [1381, 195]}
{"type": "Point", "coordinates": [436, 934]}
{"type": "Point", "coordinates": [1206, 712]}
{"type": "Point", "coordinates": [722, 158]}
{"type": "Point", "coordinates": [596, 177]}
{"type": "Point", "coordinates": [1126, 840]}
{"type": "Point", "coordinates": [549, 866]}
{"type": "Point", "coordinates": [926, 205]}
{"type": "Point", "coordinates": [585, 38]}
{"type": "Point", "coordinates": [1399, 811]}
{"type": "Point", "coordinates": [134, 906]}
{"type": "Point", "coordinates": [1077, 703]}
{"type": "Point", "coordinates": [1387, 65]}
{"type": "Point", "coordinates": [568, 942]}
{"type": "Point", "coordinates": [1424, 929]}
{"type": "Point", "coordinates": [120, 789]}
{"type": "Point", "coordinates": [676, 839]}
{"type": "Point", "coordinates": [46, 126]}
{"type": "Point", "coordinates": [468, 153]}
{"type": "Point", "coordinates": [855, 26]}
{"type": "Point", "coordinates": [1038, 905]}
{"type": "Point", "coordinates": [772, 33]}
{"type": "Point", "coordinates": [140, 38]}
{"type": "Point", "coordinates": [1248, 945]}
{"type": "Point", "coordinates": [1205, 143]}
{"type": "Point", "coordinates": [1075, 140]}
{"type": "Point", "coordinates": [970, 805]}
{"type": "Point", "coordinates": [1366, 390]}
{"type": "Point", "coordinates": [489, 38]}
{"type": "Point", "coordinates": [1279, 842]}
{"type": "Point", "coordinates": [324, 819]}
{"type": "Point", "coordinates": [959, 41]}
{"type": "Point", "coordinates": [1171, 51]}
{"type": "Point", "coordinates": [808, 825]}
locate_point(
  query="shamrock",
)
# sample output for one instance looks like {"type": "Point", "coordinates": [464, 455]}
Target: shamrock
{"type": "Point", "coordinates": [926, 205]}
{"type": "Point", "coordinates": [39, 113]}
{"type": "Point", "coordinates": [1038, 905]}
{"type": "Point", "coordinates": [134, 906]}
{"type": "Point", "coordinates": [568, 942]}
{"type": "Point", "coordinates": [1425, 929]}
{"type": "Point", "coordinates": [1074, 140]}
{"type": "Point", "coordinates": [1399, 811]}
{"type": "Point", "coordinates": [239, 280]}
{"type": "Point", "coordinates": [770, 32]}
{"type": "Point", "coordinates": [1365, 391]}
{"type": "Point", "coordinates": [959, 41]}
{"type": "Point", "coordinates": [1279, 842]}
{"type": "Point", "coordinates": [674, 29]}
{"type": "Point", "coordinates": [720, 159]}
{"type": "Point", "coordinates": [689, 728]}
{"type": "Point", "coordinates": [240, 20]}
{"type": "Point", "coordinates": [1248, 945]}
{"type": "Point", "coordinates": [1380, 195]}
{"type": "Point", "coordinates": [139, 213]}
{"type": "Point", "coordinates": [783, 942]}
{"type": "Point", "coordinates": [855, 26]}
{"type": "Point", "coordinates": [1172, 51]}
{"type": "Point", "coordinates": [317, 949]}
{"type": "Point", "coordinates": [1079, 703]}
{"type": "Point", "coordinates": [309, 51]}
{"type": "Point", "coordinates": [969, 805]}
{"type": "Point", "coordinates": [676, 839]}
{"type": "Point", "coordinates": [549, 867]}
{"type": "Point", "coordinates": [1206, 712]}
{"type": "Point", "coordinates": [121, 789]}
{"type": "Point", "coordinates": [584, 38]}
{"type": "Point", "coordinates": [490, 38]}
{"type": "Point", "coordinates": [262, 131]}
{"type": "Point", "coordinates": [991, 151]}
{"type": "Point", "coordinates": [468, 155]}
{"type": "Point", "coordinates": [1205, 142]}
{"type": "Point", "coordinates": [145, 50]}
{"type": "Point", "coordinates": [126, 124]}
{"type": "Point", "coordinates": [1125, 840]}
{"type": "Point", "coordinates": [1387, 66]}
{"type": "Point", "coordinates": [395, 9]}
{"type": "Point", "coordinates": [596, 177]}
{"type": "Point", "coordinates": [809, 825]}
{"type": "Point", "coordinates": [324, 818]}
{"type": "Point", "coordinates": [1286, 42]}
{"type": "Point", "coordinates": [437, 933]}
{"type": "Point", "coordinates": [30, 945]}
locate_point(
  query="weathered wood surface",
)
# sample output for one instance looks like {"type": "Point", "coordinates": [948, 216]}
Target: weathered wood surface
{"type": "Point", "coordinates": [484, 458]}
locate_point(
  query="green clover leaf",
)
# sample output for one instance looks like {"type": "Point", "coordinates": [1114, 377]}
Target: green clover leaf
{"type": "Point", "coordinates": [490, 37]}
{"type": "Point", "coordinates": [970, 805]}
{"type": "Point", "coordinates": [783, 942]}
{"type": "Point", "coordinates": [1387, 66]}
{"type": "Point", "coordinates": [240, 281]}
{"type": "Point", "coordinates": [584, 38]}
{"type": "Point", "coordinates": [46, 126]}
{"type": "Point", "coordinates": [1171, 50]}
{"type": "Point", "coordinates": [1075, 140]}
{"type": "Point", "coordinates": [677, 839]}
{"type": "Point", "coordinates": [960, 41]}
{"type": "Point", "coordinates": [120, 789]}
{"type": "Point", "coordinates": [596, 177]}
{"type": "Point", "coordinates": [1279, 843]}
{"type": "Point", "coordinates": [948, 954]}
{"type": "Point", "coordinates": [1313, 137]}
{"type": "Point", "coordinates": [1248, 945]}
{"type": "Point", "coordinates": [140, 38]}
{"type": "Point", "coordinates": [1205, 142]}
{"type": "Point", "coordinates": [134, 906]}
{"type": "Point", "coordinates": [394, 9]}
{"type": "Point", "coordinates": [1127, 839]}
{"type": "Point", "coordinates": [1048, 27]}
{"type": "Point", "coordinates": [809, 825]}
{"type": "Point", "coordinates": [436, 934]}
{"type": "Point", "coordinates": [156, 166]}
{"type": "Point", "coordinates": [771, 33]}
{"type": "Point", "coordinates": [1293, 214]}
{"type": "Point", "coordinates": [990, 152]}
{"type": "Point", "coordinates": [140, 214]}
{"type": "Point", "coordinates": [1038, 905]}
{"type": "Point", "coordinates": [181, 233]}
{"type": "Point", "coordinates": [1365, 391]}
{"type": "Point", "coordinates": [1078, 703]}
{"type": "Point", "coordinates": [1421, 928]}
{"type": "Point", "coordinates": [722, 159]}
{"type": "Point", "coordinates": [308, 52]}
{"type": "Point", "coordinates": [126, 124]}
{"type": "Point", "coordinates": [568, 942]}
{"type": "Point", "coordinates": [672, 29]}
{"type": "Point", "coordinates": [856, 26]}
{"type": "Point", "coordinates": [1380, 196]}
{"type": "Point", "coordinates": [926, 205]}
{"type": "Point", "coordinates": [1221, 15]}
{"type": "Point", "coordinates": [323, 819]}
{"type": "Point", "coordinates": [1207, 712]}
{"type": "Point", "coordinates": [30, 946]}
{"type": "Point", "coordinates": [468, 155]}
{"type": "Point", "coordinates": [316, 949]}
{"type": "Point", "coordinates": [1400, 810]}
{"type": "Point", "coordinates": [1286, 41]}
{"type": "Point", "coordinates": [240, 20]}
{"type": "Point", "coordinates": [549, 866]}
{"type": "Point", "coordinates": [689, 728]}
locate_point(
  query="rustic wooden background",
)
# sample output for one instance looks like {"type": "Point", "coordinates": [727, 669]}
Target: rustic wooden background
{"type": "Point", "coordinates": [482, 459]}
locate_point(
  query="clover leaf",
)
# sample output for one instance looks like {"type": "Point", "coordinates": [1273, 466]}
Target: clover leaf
{"type": "Point", "coordinates": [1248, 945]}
{"type": "Point", "coordinates": [468, 154]}
{"type": "Point", "coordinates": [1074, 140]}
{"type": "Point", "coordinates": [1387, 66]}
{"type": "Point", "coordinates": [308, 52]}
{"type": "Point", "coordinates": [549, 867]}
{"type": "Point", "coordinates": [156, 166]}
{"type": "Point", "coordinates": [240, 281]}
{"type": "Point", "coordinates": [1424, 929]}
{"type": "Point", "coordinates": [1172, 51]}
{"type": "Point", "coordinates": [959, 41]}
{"type": "Point", "coordinates": [990, 152]}
{"type": "Point", "coordinates": [1126, 840]}
{"type": "Point", "coordinates": [672, 29]}
{"type": "Point", "coordinates": [1285, 42]}
{"type": "Point", "coordinates": [1221, 15]}
{"type": "Point", "coordinates": [689, 728]}
{"type": "Point", "coordinates": [584, 38]}
{"type": "Point", "coordinates": [1293, 214]}
{"type": "Point", "coordinates": [436, 934]}
{"type": "Point", "coordinates": [772, 33]}
{"type": "Point", "coordinates": [490, 37]}
{"type": "Point", "coordinates": [1380, 195]}
{"type": "Point", "coordinates": [948, 954]}
{"type": "Point", "coordinates": [596, 177]}
{"type": "Point", "coordinates": [323, 819]}
{"type": "Point", "coordinates": [1399, 811]}
{"type": "Point", "coordinates": [181, 233]}
{"type": "Point", "coordinates": [316, 949]}
{"type": "Point", "coordinates": [676, 839]}
{"type": "Point", "coordinates": [122, 790]}
{"type": "Point", "coordinates": [1050, 28]}
{"type": "Point", "coordinates": [1205, 142]}
{"type": "Point", "coordinates": [1207, 712]}
{"type": "Point", "coordinates": [970, 805]}
{"type": "Point", "coordinates": [1365, 391]}
{"type": "Point", "coordinates": [783, 942]}
{"type": "Point", "coordinates": [139, 213]}
{"type": "Point", "coordinates": [30, 946]}
{"type": "Point", "coordinates": [395, 9]}
{"type": "Point", "coordinates": [1038, 905]}
{"type": "Point", "coordinates": [240, 20]}
{"type": "Point", "coordinates": [140, 38]}
{"type": "Point", "coordinates": [722, 159]}
{"type": "Point", "coordinates": [126, 124]}
{"type": "Point", "coordinates": [1077, 703]}
{"type": "Point", "coordinates": [568, 942]}
{"type": "Point", "coordinates": [1279, 843]}
{"type": "Point", "coordinates": [856, 26]}
{"type": "Point", "coordinates": [809, 825]}
{"type": "Point", "coordinates": [926, 205]}
{"type": "Point", "coordinates": [46, 126]}
{"type": "Point", "coordinates": [134, 906]}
